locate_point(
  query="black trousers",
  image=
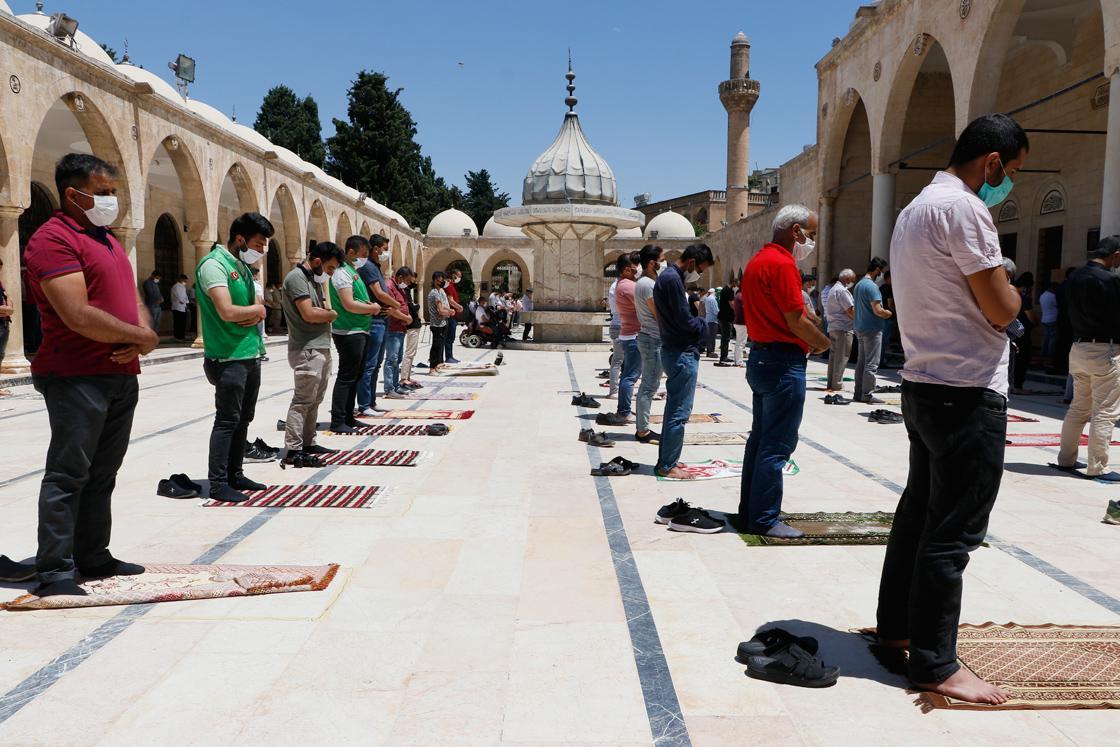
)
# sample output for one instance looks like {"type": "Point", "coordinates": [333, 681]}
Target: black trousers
{"type": "Point", "coordinates": [180, 324]}
{"type": "Point", "coordinates": [1021, 360]}
{"type": "Point", "coordinates": [724, 337]}
{"type": "Point", "coordinates": [91, 422]}
{"type": "Point", "coordinates": [5, 330]}
{"type": "Point", "coordinates": [236, 385]}
{"type": "Point", "coordinates": [435, 357]}
{"type": "Point", "coordinates": [525, 332]}
{"type": "Point", "coordinates": [956, 462]}
{"type": "Point", "coordinates": [351, 360]}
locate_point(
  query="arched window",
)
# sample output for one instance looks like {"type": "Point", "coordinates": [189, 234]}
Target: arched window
{"type": "Point", "coordinates": [272, 270]}
{"type": "Point", "coordinates": [506, 276]}
{"type": "Point", "coordinates": [168, 261]}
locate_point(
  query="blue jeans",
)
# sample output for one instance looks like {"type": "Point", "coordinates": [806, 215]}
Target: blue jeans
{"type": "Point", "coordinates": [777, 381]}
{"type": "Point", "coordinates": [650, 350]}
{"type": "Point", "coordinates": [681, 368]}
{"type": "Point", "coordinates": [450, 341]}
{"type": "Point", "coordinates": [375, 353]}
{"type": "Point", "coordinates": [394, 353]}
{"type": "Point", "coordinates": [631, 371]}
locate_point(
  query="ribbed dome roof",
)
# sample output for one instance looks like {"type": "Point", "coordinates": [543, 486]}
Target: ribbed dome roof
{"type": "Point", "coordinates": [495, 230]}
{"type": "Point", "coordinates": [670, 225]}
{"type": "Point", "coordinates": [570, 170]}
{"type": "Point", "coordinates": [452, 223]}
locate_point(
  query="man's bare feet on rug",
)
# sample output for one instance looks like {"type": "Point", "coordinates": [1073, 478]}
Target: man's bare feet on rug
{"type": "Point", "coordinates": [677, 473]}
{"type": "Point", "coordinates": [966, 686]}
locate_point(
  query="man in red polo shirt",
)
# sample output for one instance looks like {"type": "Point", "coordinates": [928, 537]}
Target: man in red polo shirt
{"type": "Point", "coordinates": [452, 288]}
{"type": "Point", "coordinates": [781, 336]}
{"type": "Point", "coordinates": [94, 330]}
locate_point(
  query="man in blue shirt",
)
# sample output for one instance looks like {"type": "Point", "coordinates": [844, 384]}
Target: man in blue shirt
{"type": "Point", "coordinates": [681, 337]}
{"type": "Point", "coordinates": [370, 273]}
{"type": "Point", "coordinates": [711, 318]}
{"type": "Point", "coordinates": [869, 317]}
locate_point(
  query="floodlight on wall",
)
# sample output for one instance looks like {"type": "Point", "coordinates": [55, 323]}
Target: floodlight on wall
{"type": "Point", "coordinates": [653, 234]}
{"type": "Point", "coordinates": [62, 27]}
{"type": "Point", "coordinates": [466, 232]}
{"type": "Point", "coordinates": [183, 68]}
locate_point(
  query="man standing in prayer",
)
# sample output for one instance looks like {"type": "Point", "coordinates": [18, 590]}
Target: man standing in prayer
{"type": "Point", "coordinates": [439, 311]}
{"type": "Point", "coordinates": [527, 314]}
{"type": "Point", "coordinates": [955, 303]}
{"type": "Point", "coordinates": [153, 298]}
{"type": "Point", "coordinates": [455, 277]}
{"type": "Point", "coordinates": [840, 312]}
{"type": "Point", "coordinates": [868, 324]}
{"type": "Point", "coordinates": [350, 331]}
{"type": "Point", "coordinates": [782, 335]}
{"type": "Point", "coordinates": [179, 302]}
{"type": "Point", "coordinates": [726, 317]}
{"type": "Point", "coordinates": [371, 275]}
{"type": "Point", "coordinates": [624, 301]}
{"type": "Point", "coordinates": [711, 318]}
{"type": "Point", "coordinates": [394, 342]}
{"type": "Point", "coordinates": [649, 340]}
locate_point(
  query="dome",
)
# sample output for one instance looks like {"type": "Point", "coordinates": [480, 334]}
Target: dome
{"type": "Point", "coordinates": [254, 137]}
{"type": "Point", "coordinates": [158, 84]}
{"type": "Point", "coordinates": [670, 225]}
{"type": "Point", "coordinates": [82, 42]}
{"type": "Point", "coordinates": [570, 170]}
{"type": "Point", "coordinates": [4, 8]}
{"type": "Point", "coordinates": [290, 158]}
{"type": "Point", "coordinates": [495, 230]}
{"type": "Point", "coordinates": [210, 114]}
{"type": "Point", "coordinates": [629, 233]}
{"type": "Point", "coordinates": [452, 223]}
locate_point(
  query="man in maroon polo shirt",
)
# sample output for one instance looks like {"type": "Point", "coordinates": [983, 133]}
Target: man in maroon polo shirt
{"type": "Point", "coordinates": [94, 331]}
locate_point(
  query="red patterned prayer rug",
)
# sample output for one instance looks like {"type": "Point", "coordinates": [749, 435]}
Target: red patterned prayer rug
{"type": "Point", "coordinates": [422, 415]}
{"type": "Point", "coordinates": [307, 496]}
{"type": "Point", "coordinates": [374, 458]}
{"type": "Point", "coordinates": [431, 395]}
{"type": "Point", "coordinates": [1041, 666]}
{"type": "Point", "coordinates": [176, 583]}
{"type": "Point", "coordinates": [1043, 439]}
{"type": "Point", "coordinates": [1020, 419]}
{"type": "Point", "coordinates": [385, 430]}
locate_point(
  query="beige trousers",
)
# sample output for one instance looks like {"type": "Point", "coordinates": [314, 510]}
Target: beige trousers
{"type": "Point", "coordinates": [1095, 368]}
{"type": "Point", "coordinates": [312, 370]}
{"type": "Point", "coordinates": [411, 340]}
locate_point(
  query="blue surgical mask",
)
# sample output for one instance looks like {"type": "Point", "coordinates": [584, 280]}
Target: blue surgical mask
{"type": "Point", "coordinates": [993, 196]}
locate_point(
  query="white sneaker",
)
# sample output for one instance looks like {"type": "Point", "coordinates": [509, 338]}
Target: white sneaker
{"type": "Point", "coordinates": [371, 411]}
{"type": "Point", "coordinates": [393, 395]}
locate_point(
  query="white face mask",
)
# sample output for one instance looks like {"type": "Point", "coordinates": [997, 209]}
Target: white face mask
{"type": "Point", "coordinates": [691, 276]}
{"type": "Point", "coordinates": [803, 249]}
{"type": "Point", "coordinates": [322, 278]}
{"type": "Point", "coordinates": [360, 262]}
{"type": "Point", "coordinates": [104, 210]}
{"type": "Point", "coordinates": [457, 281]}
{"type": "Point", "coordinates": [383, 257]}
{"type": "Point", "coordinates": [661, 267]}
{"type": "Point", "coordinates": [249, 256]}
{"type": "Point", "coordinates": [403, 285]}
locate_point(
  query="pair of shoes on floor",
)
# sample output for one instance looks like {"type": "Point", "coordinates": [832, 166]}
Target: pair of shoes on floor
{"type": "Point", "coordinates": [258, 452]}
{"type": "Point", "coordinates": [178, 486]}
{"type": "Point", "coordinates": [887, 389]}
{"type": "Point", "coordinates": [300, 460]}
{"type": "Point", "coordinates": [603, 375]}
{"type": "Point", "coordinates": [617, 467]}
{"type": "Point", "coordinates": [682, 517]}
{"type": "Point", "coordinates": [600, 439]}
{"type": "Point", "coordinates": [776, 655]}
{"type": "Point", "coordinates": [15, 573]}
{"type": "Point", "coordinates": [585, 400]}
{"type": "Point", "coordinates": [651, 437]}
{"type": "Point", "coordinates": [437, 429]}
{"type": "Point", "coordinates": [884, 416]}
{"type": "Point", "coordinates": [1112, 513]}
{"type": "Point", "coordinates": [836, 399]}
{"type": "Point", "coordinates": [613, 418]}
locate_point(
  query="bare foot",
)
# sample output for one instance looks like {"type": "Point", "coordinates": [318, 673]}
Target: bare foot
{"type": "Point", "coordinates": [889, 643]}
{"type": "Point", "coordinates": [966, 686]}
{"type": "Point", "coordinates": [677, 473]}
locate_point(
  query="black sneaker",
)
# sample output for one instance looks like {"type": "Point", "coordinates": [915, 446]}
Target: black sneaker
{"type": "Point", "coordinates": [241, 482]}
{"type": "Point", "coordinates": [170, 489]}
{"type": "Point", "coordinates": [670, 511]}
{"type": "Point", "coordinates": [651, 437]}
{"type": "Point", "coordinates": [186, 483]}
{"type": "Point", "coordinates": [317, 449]}
{"type": "Point", "coordinates": [585, 400]}
{"type": "Point", "coordinates": [66, 587]}
{"type": "Point", "coordinates": [300, 459]}
{"type": "Point", "coordinates": [260, 444]}
{"type": "Point", "coordinates": [226, 494]}
{"type": "Point", "coordinates": [113, 568]}
{"type": "Point", "coordinates": [437, 429]}
{"type": "Point", "coordinates": [254, 455]}
{"type": "Point", "coordinates": [13, 572]}
{"type": "Point", "coordinates": [696, 520]}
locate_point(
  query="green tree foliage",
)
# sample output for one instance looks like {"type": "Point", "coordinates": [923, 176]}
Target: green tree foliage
{"type": "Point", "coordinates": [293, 124]}
{"type": "Point", "coordinates": [111, 52]}
{"type": "Point", "coordinates": [375, 151]}
{"type": "Point", "coordinates": [482, 197]}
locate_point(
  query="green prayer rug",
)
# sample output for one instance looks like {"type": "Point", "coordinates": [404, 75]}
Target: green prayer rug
{"type": "Point", "coordinates": [849, 528]}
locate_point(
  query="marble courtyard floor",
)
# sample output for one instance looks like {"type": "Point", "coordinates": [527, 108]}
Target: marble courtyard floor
{"type": "Point", "coordinates": [499, 594]}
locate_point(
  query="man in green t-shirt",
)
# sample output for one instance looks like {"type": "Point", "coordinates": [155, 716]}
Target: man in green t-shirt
{"type": "Point", "coordinates": [350, 299]}
{"type": "Point", "coordinates": [233, 347]}
{"type": "Point", "coordinates": [308, 310]}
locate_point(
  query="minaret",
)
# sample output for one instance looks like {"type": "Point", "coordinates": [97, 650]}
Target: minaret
{"type": "Point", "coordinates": [738, 96]}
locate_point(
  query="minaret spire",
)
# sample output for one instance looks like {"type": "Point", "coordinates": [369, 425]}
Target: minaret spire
{"type": "Point", "coordinates": [571, 100]}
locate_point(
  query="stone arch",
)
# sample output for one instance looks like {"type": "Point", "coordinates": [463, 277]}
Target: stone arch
{"type": "Point", "coordinates": [235, 196]}
{"type": "Point", "coordinates": [396, 255]}
{"type": "Point", "coordinates": [365, 229]}
{"type": "Point", "coordinates": [345, 229]}
{"type": "Point", "coordinates": [849, 236]}
{"type": "Point", "coordinates": [168, 258]}
{"type": "Point", "coordinates": [505, 255]}
{"type": "Point", "coordinates": [835, 134]}
{"type": "Point", "coordinates": [906, 87]}
{"type": "Point", "coordinates": [196, 214]}
{"type": "Point", "coordinates": [318, 229]}
{"type": "Point", "coordinates": [284, 216]}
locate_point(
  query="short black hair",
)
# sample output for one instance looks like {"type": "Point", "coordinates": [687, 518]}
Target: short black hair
{"type": "Point", "coordinates": [355, 244]}
{"type": "Point", "coordinates": [1108, 246]}
{"type": "Point", "coordinates": [876, 263]}
{"type": "Point", "coordinates": [991, 133]}
{"type": "Point", "coordinates": [438, 274]}
{"type": "Point", "coordinates": [182, 277]}
{"type": "Point", "coordinates": [403, 271]}
{"type": "Point", "coordinates": [807, 279]}
{"type": "Point", "coordinates": [248, 225]}
{"type": "Point", "coordinates": [378, 241]}
{"type": "Point", "coordinates": [702, 253]}
{"type": "Point", "coordinates": [75, 169]}
{"type": "Point", "coordinates": [623, 262]}
{"type": "Point", "coordinates": [649, 253]}
{"type": "Point", "coordinates": [326, 250]}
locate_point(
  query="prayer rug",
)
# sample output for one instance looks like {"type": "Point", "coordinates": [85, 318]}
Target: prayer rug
{"type": "Point", "coordinates": [373, 458]}
{"type": "Point", "coordinates": [439, 385]}
{"type": "Point", "coordinates": [1020, 419]}
{"type": "Point", "coordinates": [440, 395]}
{"type": "Point", "coordinates": [702, 417]}
{"type": "Point", "coordinates": [1043, 439]}
{"type": "Point", "coordinates": [422, 415]}
{"type": "Point", "coordinates": [466, 369]}
{"type": "Point", "coordinates": [1041, 666]}
{"type": "Point", "coordinates": [177, 583]}
{"type": "Point", "coordinates": [714, 439]}
{"type": "Point", "coordinates": [307, 496]}
{"type": "Point", "coordinates": [383, 430]}
{"type": "Point", "coordinates": [712, 469]}
{"type": "Point", "coordinates": [822, 528]}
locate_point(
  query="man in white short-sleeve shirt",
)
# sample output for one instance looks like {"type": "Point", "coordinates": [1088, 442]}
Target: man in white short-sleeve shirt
{"type": "Point", "coordinates": [954, 302]}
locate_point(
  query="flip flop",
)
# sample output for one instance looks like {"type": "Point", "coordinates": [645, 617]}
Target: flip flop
{"type": "Point", "coordinates": [625, 463]}
{"type": "Point", "coordinates": [610, 469]}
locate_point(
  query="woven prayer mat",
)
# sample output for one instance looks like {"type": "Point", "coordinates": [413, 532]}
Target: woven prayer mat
{"type": "Point", "coordinates": [374, 458]}
{"type": "Point", "coordinates": [440, 395]}
{"type": "Point", "coordinates": [716, 469]}
{"type": "Point", "coordinates": [824, 528]}
{"type": "Point", "coordinates": [1043, 439]}
{"type": "Point", "coordinates": [701, 417]}
{"type": "Point", "coordinates": [422, 415]}
{"type": "Point", "coordinates": [439, 385]}
{"type": "Point", "coordinates": [465, 369]}
{"type": "Point", "coordinates": [307, 496]}
{"type": "Point", "coordinates": [1020, 419]}
{"type": "Point", "coordinates": [177, 583]}
{"type": "Point", "coordinates": [714, 439]}
{"type": "Point", "coordinates": [382, 430]}
{"type": "Point", "coordinates": [1041, 666]}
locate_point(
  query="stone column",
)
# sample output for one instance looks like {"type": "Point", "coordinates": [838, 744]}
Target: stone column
{"type": "Point", "coordinates": [201, 249]}
{"type": "Point", "coordinates": [1110, 197]}
{"type": "Point", "coordinates": [15, 361]}
{"type": "Point", "coordinates": [127, 237]}
{"type": "Point", "coordinates": [824, 237]}
{"type": "Point", "coordinates": [882, 216]}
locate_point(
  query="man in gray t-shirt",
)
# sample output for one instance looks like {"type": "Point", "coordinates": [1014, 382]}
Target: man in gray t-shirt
{"type": "Point", "coordinates": [839, 309]}
{"type": "Point", "coordinates": [307, 308]}
{"type": "Point", "coordinates": [649, 341]}
{"type": "Point", "coordinates": [438, 312]}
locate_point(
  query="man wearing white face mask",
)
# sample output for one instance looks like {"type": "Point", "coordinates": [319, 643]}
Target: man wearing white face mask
{"type": "Point", "coordinates": [375, 281]}
{"type": "Point", "coordinates": [840, 311]}
{"type": "Point", "coordinates": [350, 331]}
{"type": "Point", "coordinates": [94, 330]}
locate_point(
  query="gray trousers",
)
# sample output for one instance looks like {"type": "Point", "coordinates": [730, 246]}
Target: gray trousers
{"type": "Point", "coordinates": [91, 422]}
{"type": "Point", "coordinates": [838, 354]}
{"type": "Point", "coordinates": [618, 354]}
{"type": "Point", "coordinates": [867, 363]}
{"type": "Point", "coordinates": [312, 370]}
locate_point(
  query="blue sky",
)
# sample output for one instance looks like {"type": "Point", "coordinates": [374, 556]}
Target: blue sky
{"type": "Point", "coordinates": [646, 72]}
